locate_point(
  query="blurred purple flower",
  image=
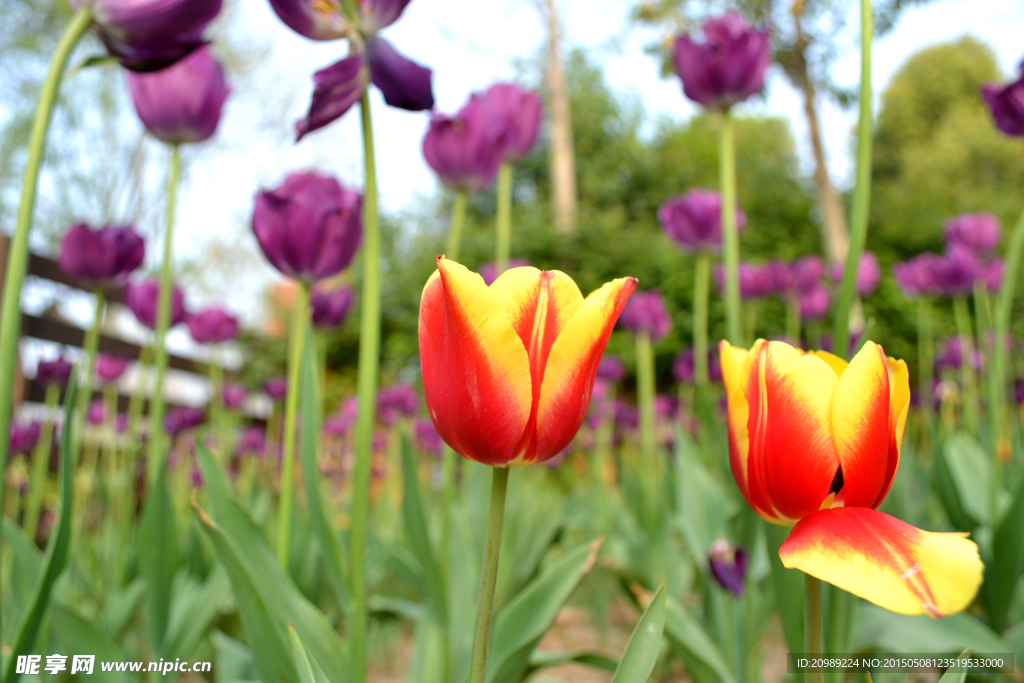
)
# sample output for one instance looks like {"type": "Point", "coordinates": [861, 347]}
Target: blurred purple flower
{"type": "Point", "coordinates": [276, 388]}
{"type": "Point", "coordinates": [756, 282]}
{"type": "Point", "coordinates": [101, 258]}
{"type": "Point", "coordinates": [611, 369]}
{"type": "Point", "coordinates": [728, 564]}
{"type": "Point", "coordinates": [23, 438]}
{"type": "Point", "coordinates": [993, 275]}
{"type": "Point", "coordinates": [978, 231]}
{"type": "Point", "coordinates": [341, 422]}
{"type": "Point", "coordinates": [121, 423]}
{"type": "Point", "coordinates": [694, 220]}
{"type": "Point", "coordinates": [252, 442]}
{"type": "Point", "coordinates": [489, 271]}
{"type": "Point", "coordinates": [233, 394]}
{"type": "Point", "coordinates": [109, 368]}
{"type": "Point", "coordinates": [53, 372]}
{"type": "Point", "coordinates": [665, 406]}
{"type": "Point", "coordinates": [626, 416]}
{"type": "Point", "coordinates": [919, 276]}
{"type": "Point", "coordinates": [181, 419]}
{"type": "Point", "coordinates": [646, 312]}
{"type": "Point", "coordinates": [213, 326]}
{"type": "Point", "coordinates": [814, 303]}
{"type": "Point", "coordinates": [96, 413]}
{"type": "Point", "coordinates": [781, 278]}
{"type": "Point", "coordinates": [427, 438]}
{"type": "Point", "coordinates": [514, 114]}
{"type": "Point", "coordinates": [868, 273]}
{"type": "Point", "coordinates": [951, 356]}
{"type": "Point", "coordinates": [142, 297]}
{"type": "Point", "coordinates": [808, 272]}
{"type": "Point", "coordinates": [310, 227]}
{"type": "Point", "coordinates": [958, 270]}
{"type": "Point", "coordinates": [1018, 390]}
{"type": "Point", "coordinates": [329, 308]}
{"type": "Point", "coordinates": [395, 401]}
{"type": "Point", "coordinates": [464, 150]}
{"type": "Point", "coordinates": [728, 67]}
{"type": "Point", "coordinates": [196, 476]}
{"type": "Point", "coordinates": [683, 368]}
{"type": "Point", "coordinates": [183, 102]}
{"type": "Point", "coordinates": [1006, 103]}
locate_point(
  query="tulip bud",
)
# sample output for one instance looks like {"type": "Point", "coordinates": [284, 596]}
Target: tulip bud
{"type": "Point", "coordinates": [728, 67]}
{"type": "Point", "coordinates": [212, 326]}
{"type": "Point", "coordinates": [728, 564]}
{"type": "Point", "coordinates": [23, 438]}
{"type": "Point", "coordinates": [814, 303]}
{"type": "Point", "coordinates": [918, 276]}
{"type": "Point", "coordinates": [181, 103]}
{"type": "Point", "coordinates": [143, 297]}
{"type": "Point", "coordinates": [694, 220]}
{"type": "Point", "coordinates": [328, 309]}
{"type": "Point", "coordinates": [101, 258]}
{"type": "Point", "coordinates": [110, 368]}
{"type": "Point", "coordinates": [464, 150]}
{"type": "Point", "coordinates": [646, 312]}
{"type": "Point", "coordinates": [53, 372]}
{"type": "Point", "coordinates": [95, 413]}
{"type": "Point", "coordinates": [181, 419]}
{"type": "Point", "coordinates": [252, 442]}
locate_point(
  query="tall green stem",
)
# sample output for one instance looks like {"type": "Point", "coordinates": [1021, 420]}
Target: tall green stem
{"type": "Point", "coordinates": [41, 463]}
{"type": "Point", "coordinates": [458, 220]}
{"type": "Point", "coordinates": [17, 256]}
{"type": "Point", "coordinates": [700, 319]}
{"type": "Point", "coordinates": [163, 323]}
{"type": "Point", "coordinates": [813, 640]}
{"type": "Point", "coordinates": [645, 395]}
{"type": "Point", "coordinates": [366, 391]}
{"type": "Point", "coordinates": [862, 191]}
{"type": "Point", "coordinates": [296, 344]}
{"type": "Point", "coordinates": [968, 397]}
{"type": "Point", "coordinates": [90, 346]}
{"type": "Point", "coordinates": [730, 236]}
{"type": "Point", "coordinates": [925, 353]}
{"type": "Point", "coordinates": [488, 577]}
{"type": "Point", "coordinates": [504, 219]}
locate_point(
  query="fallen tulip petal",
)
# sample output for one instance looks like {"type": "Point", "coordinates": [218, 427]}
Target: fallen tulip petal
{"type": "Point", "coordinates": [886, 561]}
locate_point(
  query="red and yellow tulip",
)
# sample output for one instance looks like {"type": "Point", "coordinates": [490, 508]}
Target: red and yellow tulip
{"type": "Point", "coordinates": [508, 369]}
{"type": "Point", "coordinates": [814, 442]}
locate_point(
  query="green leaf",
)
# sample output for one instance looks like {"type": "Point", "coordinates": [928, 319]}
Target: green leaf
{"type": "Point", "coordinates": [193, 608]}
{"type": "Point", "coordinates": [881, 630]}
{"type": "Point", "coordinates": [955, 676]}
{"type": "Point", "coordinates": [520, 624]}
{"type": "Point", "coordinates": [27, 562]}
{"type": "Point", "coordinates": [309, 672]}
{"type": "Point", "coordinates": [80, 636]}
{"type": "Point", "coordinates": [158, 559]}
{"type": "Point", "coordinates": [1003, 572]}
{"type": "Point", "coordinates": [275, 588]}
{"type": "Point", "coordinates": [120, 607]}
{"type": "Point", "coordinates": [789, 589]}
{"type": "Point", "coordinates": [969, 471]}
{"type": "Point", "coordinates": [56, 550]}
{"type": "Point", "coordinates": [419, 537]}
{"type": "Point", "coordinates": [702, 657]}
{"type": "Point", "coordinates": [309, 432]}
{"type": "Point", "coordinates": [644, 644]}
{"type": "Point", "coordinates": [427, 663]}
{"type": "Point", "coordinates": [703, 506]}
{"type": "Point", "coordinates": [595, 660]}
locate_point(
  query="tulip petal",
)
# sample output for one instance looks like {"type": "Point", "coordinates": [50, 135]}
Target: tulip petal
{"type": "Point", "coordinates": [835, 362]}
{"type": "Point", "coordinates": [886, 561]}
{"type": "Point", "coordinates": [476, 372]}
{"type": "Point", "coordinates": [378, 14]}
{"type": "Point", "coordinates": [572, 366]}
{"type": "Point", "coordinates": [335, 89]}
{"type": "Point", "coordinates": [860, 424]}
{"type": "Point", "coordinates": [899, 404]}
{"type": "Point", "coordinates": [792, 457]}
{"type": "Point", "coordinates": [735, 364]}
{"type": "Point", "coordinates": [404, 83]}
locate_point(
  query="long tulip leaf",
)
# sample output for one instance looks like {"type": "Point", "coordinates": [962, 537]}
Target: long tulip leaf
{"type": "Point", "coordinates": [703, 506]}
{"type": "Point", "coordinates": [595, 660]}
{"type": "Point", "coordinates": [419, 538]}
{"type": "Point", "coordinates": [789, 589]}
{"type": "Point", "coordinates": [952, 676]}
{"type": "Point", "coordinates": [56, 551]}
{"type": "Point", "coordinates": [308, 671]}
{"type": "Point", "coordinates": [880, 630]}
{"type": "Point", "coordinates": [970, 469]}
{"type": "Point", "coordinates": [158, 558]}
{"type": "Point", "coordinates": [702, 657]}
{"type": "Point", "coordinates": [644, 644]}
{"type": "Point", "coordinates": [1002, 574]}
{"type": "Point", "coordinates": [80, 635]}
{"type": "Point", "coordinates": [193, 610]}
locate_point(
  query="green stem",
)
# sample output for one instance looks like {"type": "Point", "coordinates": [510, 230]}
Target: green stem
{"type": "Point", "coordinates": [163, 323]}
{"type": "Point", "coordinates": [458, 220]}
{"type": "Point", "coordinates": [793, 320]}
{"type": "Point", "coordinates": [700, 320]}
{"type": "Point", "coordinates": [366, 391]}
{"type": "Point", "coordinates": [90, 346]}
{"type": "Point", "coordinates": [862, 191]}
{"type": "Point", "coordinates": [215, 373]}
{"type": "Point", "coordinates": [813, 641]}
{"type": "Point", "coordinates": [967, 376]}
{"type": "Point", "coordinates": [645, 395]}
{"type": "Point", "coordinates": [41, 464]}
{"type": "Point", "coordinates": [488, 577]}
{"type": "Point", "coordinates": [730, 236]}
{"type": "Point", "coordinates": [296, 344]}
{"type": "Point", "coordinates": [504, 219]}
{"type": "Point", "coordinates": [925, 354]}
{"type": "Point", "coordinates": [17, 256]}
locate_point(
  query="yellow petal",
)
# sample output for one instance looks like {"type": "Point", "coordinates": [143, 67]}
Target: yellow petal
{"type": "Point", "coordinates": [834, 361]}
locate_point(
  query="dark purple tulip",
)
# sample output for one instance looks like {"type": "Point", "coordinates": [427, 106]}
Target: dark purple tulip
{"type": "Point", "coordinates": [252, 442]}
{"type": "Point", "coordinates": [807, 273]}
{"type": "Point", "coordinates": [335, 89]}
{"type": "Point", "coordinates": [958, 270]}
{"type": "Point", "coordinates": [427, 438]}
{"type": "Point", "coordinates": [920, 275]}
{"type": "Point", "coordinates": [96, 413]}
{"type": "Point", "coordinates": [233, 394]}
{"type": "Point", "coordinates": [23, 438]}
{"type": "Point", "coordinates": [328, 21]}
{"type": "Point", "coordinates": [515, 114]}
{"type": "Point", "coordinates": [181, 103]}
{"type": "Point", "coordinates": [330, 308]}
{"type": "Point", "coordinates": [53, 372]}
{"type": "Point", "coordinates": [682, 366]}
{"type": "Point", "coordinates": [109, 368]}
{"type": "Point", "coordinates": [310, 227]}
{"type": "Point", "coordinates": [489, 272]}
{"type": "Point", "coordinates": [611, 369]}
{"type": "Point", "coordinates": [694, 220]}
{"type": "Point", "coordinates": [868, 273]}
{"type": "Point", "coordinates": [978, 231]}
{"type": "Point", "coordinates": [103, 257]}
{"type": "Point", "coordinates": [781, 277]}
{"type": "Point", "coordinates": [756, 282]}
{"type": "Point", "coordinates": [149, 35]}
{"type": "Point", "coordinates": [646, 312]}
{"type": "Point", "coordinates": [181, 419]}
{"type": "Point", "coordinates": [728, 564]}
{"type": "Point", "coordinates": [464, 150]}
{"type": "Point", "coordinates": [814, 303]}
{"type": "Point", "coordinates": [1007, 105]}
{"type": "Point", "coordinates": [213, 326]}
{"type": "Point", "coordinates": [276, 388]}
{"type": "Point", "coordinates": [403, 83]}
{"type": "Point", "coordinates": [398, 400]}
{"type": "Point", "coordinates": [728, 67]}
{"type": "Point", "coordinates": [951, 356]}
{"type": "Point", "coordinates": [142, 298]}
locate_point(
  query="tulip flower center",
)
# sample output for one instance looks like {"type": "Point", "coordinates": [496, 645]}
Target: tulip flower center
{"type": "Point", "coordinates": [837, 482]}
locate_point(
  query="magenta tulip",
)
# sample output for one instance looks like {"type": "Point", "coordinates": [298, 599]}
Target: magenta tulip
{"type": "Point", "coordinates": [694, 220]}
{"type": "Point", "coordinates": [328, 309]}
{"type": "Point", "coordinates": [110, 368]}
{"type": "Point", "coordinates": [646, 312]}
{"type": "Point", "coordinates": [514, 115]}
{"type": "Point", "coordinates": [101, 258]}
{"type": "Point", "coordinates": [53, 372]}
{"type": "Point", "coordinates": [1006, 103]}
{"type": "Point", "coordinates": [868, 274]}
{"type": "Point", "coordinates": [464, 150]}
{"type": "Point", "coordinates": [233, 394]}
{"type": "Point", "coordinates": [213, 326]}
{"type": "Point", "coordinates": [728, 67]}
{"type": "Point", "coordinates": [142, 298]}
{"type": "Point", "coordinates": [978, 231]}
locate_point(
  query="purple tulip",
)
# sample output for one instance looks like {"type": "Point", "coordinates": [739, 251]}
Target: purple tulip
{"type": "Point", "coordinates": [683, 367]}
{"type": "Point", "coordinates": [252, 442]}
{"type": "Point", "coordinates": [180, 419]}
{"type": "Point", "coordinates": [464, 150]}
{"type": "Point", "coordinates": [992, 275]}
{"type": "Point", "coordinates": [121, 423]}
{"type": "Point", "coordinates": [977, 231]}
{"type": "Point", "coordinates": [310, 227]}
{"type": "Point", "coordinates": [53, 372]}
{"type": "Point", "coordinates": [611, 369]}
{"type": "Point", "coordinates": [814, 303]}
{"type": "Point", "coordinates": [427, 438]}
{"type": "Point", "coordinates": [23, 438]}
{"type": "Point", "coordinates": [328, 20]}
{"type": "Point", "coordinates": [514, 114]}
{"type": "Point", "coordinates": [756, 282]}
{"type": "Point", "coordinates": [276, 388]}
{"type": "Point", "coordinates": [489, 271]}
{"type": "Point", "coordinates": [109, 368]}
{"type": "Point", "coordinates": [781, 277]}
{"type": "Point", "coordinates": [142, 298]}
{"type": "Point", "coordinates": [868, 273]}
{"type": "Point", "coordinates": [626, 416]}
{"type": "Point", "coordinates": [101, 258]}
{"type": "Point", "coordinates": [96, 413]}
{"type": "Point", "coordinates": [665, 406]}
{"type": "Point", "coordinates": [694, 220]}
{"type": "Point", "coordinates": [808, 272]}
{"type": "Point", "coordinates": [150, 35]}
{"type": "Point", "coordinates": [728, 67]}
{"type": "Point", "coordinates": [342, 421]}
{"type": "Point", "coordinates": [233, 395]}
{"type": "Point", "coordinates": [1007, 105]}
{"type": "Point", "coordinates": [213, 326]}
{"type": "Point", "coordinates": [958, 270]}
{"type": "Point", "coordinates": [646, 312]}
{"type": "Point", "coordinates": [728, 564]}
{"type": "Point", "coordinates": [920, 275]}
{"type": "Point", "coordinates": [330, 308]}
{"type": "Point", "coordinates": [181, 103]}
{"type": "Point", "coordinates": [398, 400]}
{"type": "Point", "coordinates": [951, 356]}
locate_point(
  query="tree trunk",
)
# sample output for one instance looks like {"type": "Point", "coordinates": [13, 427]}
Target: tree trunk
{"type": "Point", "coordinates": [562, 156]}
